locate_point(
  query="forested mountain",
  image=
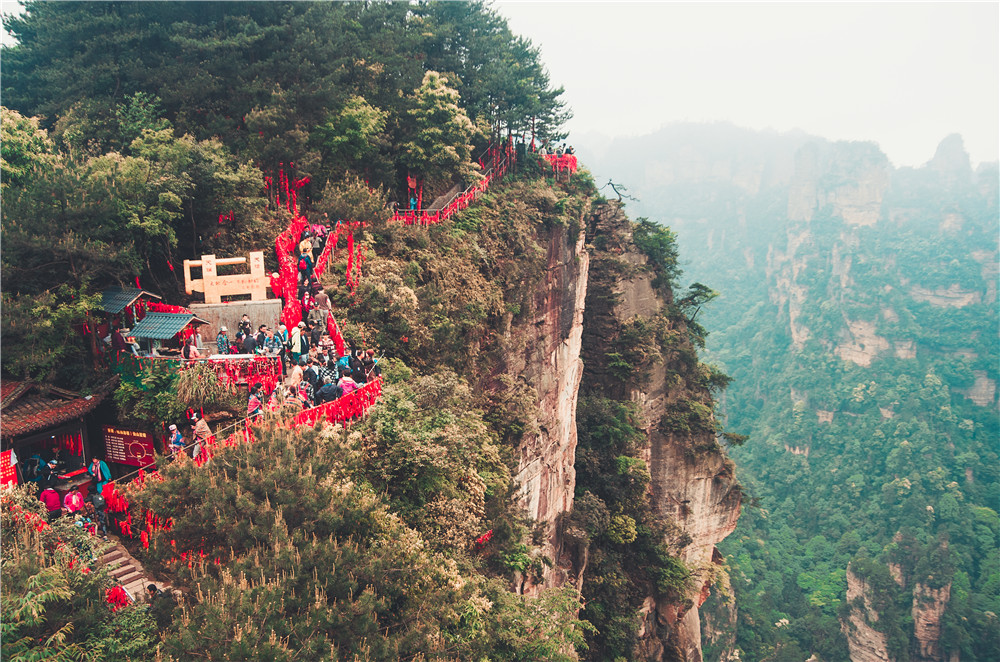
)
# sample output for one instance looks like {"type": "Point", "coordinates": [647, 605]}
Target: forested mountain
{"type": "Point", "coordinates": [155, 124]}
{"type": "Point", "coordinates": [456, 520]}
{"type": "Point", "coordinates": [857, 314]}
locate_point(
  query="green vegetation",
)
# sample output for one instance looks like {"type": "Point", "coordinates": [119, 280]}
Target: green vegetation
{"type": "Point", "coordinates": [905, 474]}
{"type": "Point", "coordinates": [54, 592]}
{"type": "Point", "coordinates": [300, 550]}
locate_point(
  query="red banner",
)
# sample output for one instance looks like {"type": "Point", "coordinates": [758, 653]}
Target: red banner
{"type": "Point", "coordinates": [130, 447]}
{"type": "Point", "coordinates": [8, 472]}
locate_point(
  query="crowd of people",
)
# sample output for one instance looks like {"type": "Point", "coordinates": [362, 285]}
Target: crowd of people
{"type": "Point", "coordinates": [88, 510]}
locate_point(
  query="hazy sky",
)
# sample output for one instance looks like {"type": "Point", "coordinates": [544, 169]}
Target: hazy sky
{"type": "Point", "coordinates": [902, 74]}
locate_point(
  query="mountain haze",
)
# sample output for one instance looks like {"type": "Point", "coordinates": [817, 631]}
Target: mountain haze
{"type": "Point", "coordinates": [857, 315]}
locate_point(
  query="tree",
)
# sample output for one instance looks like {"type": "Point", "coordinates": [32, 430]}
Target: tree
{"type": "Point", "coordinates": [54, 596]}
{"type": "Point", "coordinates": [439, 145]}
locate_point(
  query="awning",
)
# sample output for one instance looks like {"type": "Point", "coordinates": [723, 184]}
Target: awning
{"type": "Point", "coordinates": [116, 299]}
{"type": "Point", "coordinates": [29, 407]}
{"type": "Point", "coordinates": [161, 326]}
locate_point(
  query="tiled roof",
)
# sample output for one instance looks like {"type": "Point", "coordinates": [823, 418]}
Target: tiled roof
{"type": "Point", "coordinates": [116, 299]}
{"type": "Point", "coordinates": [32, 411]}
{"type": "Point", "coordinates": [160, 326]}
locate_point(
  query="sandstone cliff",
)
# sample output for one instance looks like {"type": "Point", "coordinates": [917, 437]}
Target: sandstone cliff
{"type": "Point", "coordinates": [548, 359]}
{"type": "Point", "coordinates": [692, 485]}
{"type": "Point", "coordinates": [865, 642]}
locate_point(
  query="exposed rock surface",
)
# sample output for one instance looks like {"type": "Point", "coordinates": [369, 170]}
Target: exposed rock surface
{"type": "Point", "coordinates": [929, 605]}
{"type": "Point", "coordinates": [865, 643]}
{"type": "Point", "coordinates": [551, 363]}
{"type": "Point", "coordinates": [984, 390]}
{"type": "Point", "coordinates": [692, 482]}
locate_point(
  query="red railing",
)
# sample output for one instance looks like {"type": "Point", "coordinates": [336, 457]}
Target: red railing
{"type": "Point", "coordinates": [563, 163]}
{"type": "Point", "coordinates": [500, 158]}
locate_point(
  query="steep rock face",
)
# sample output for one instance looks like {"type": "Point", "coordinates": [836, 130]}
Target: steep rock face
{"type": "Point", "coordinates": [865, 642]}
{"type": "Point", "coordinates": [929, 605]}
{"type": "Point", "coordinates": [692, 482]}
{"type": "Point", "coordinates": [550, 362]}
{"type": "Point", "coordinates": [851, 178]}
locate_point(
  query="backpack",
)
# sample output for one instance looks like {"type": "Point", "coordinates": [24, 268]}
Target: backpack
{"type": "Point", "coordinates": [98, 502]}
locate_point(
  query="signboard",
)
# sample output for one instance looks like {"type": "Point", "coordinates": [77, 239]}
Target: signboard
{"type": "Point", "coordinates": [215, 286]}
{"type": "Point", "coordinates": [8, 472]}
{"type": "Point", "coordinates": [128, 446]}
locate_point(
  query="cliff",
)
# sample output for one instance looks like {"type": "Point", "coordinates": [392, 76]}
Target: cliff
{"type": "Point", "coordinates": [868, 293]}
{"type": "Point", "coordinates": [547, 359]}
{"type": "Point", "coordinates": [692, 489]}
{"type": "Point", "coordinates": [865, 642]}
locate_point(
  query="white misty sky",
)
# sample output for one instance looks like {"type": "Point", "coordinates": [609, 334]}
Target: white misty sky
{"type": "Point", "coordinates": [904, 75]}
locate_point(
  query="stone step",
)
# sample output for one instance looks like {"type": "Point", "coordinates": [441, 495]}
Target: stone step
{"type": "Point", "coordinates": [122, 570]}
{"type": "Point", "coordinates": [131, 577]}
{"type": "Point", "coordinates": [114, 558]}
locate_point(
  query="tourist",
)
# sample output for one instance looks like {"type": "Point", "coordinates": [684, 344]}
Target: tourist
{"type": "Point", "coordinates": [293, 402]}
{"type": "Point", "coordinates": [53, 504]}
{"type": "Point", "coordinates": [245, 326]}
{"type": "Point", "coordinates": [255, 404]}
{"type": "Point", "coordinates": [326, 345]}
{"type": "Point", "coordinates": [315, 333]}
{"type": "Point", "coordinates": [371, 367]}
{"type": "Point", "coordinates": [99, 471]}
{"type": "Point", "coordinates": [357, 366]}
{"type": "Point", "coordinates": [73, 501]}
{"type": "Point", "coordinates": [249, 344]}
{"type": "Point", "coordinates": [346, 383]}
{"type": "Point", "coordinates": [327, 369]}
{"type": "Point", "coordinates": [271, 345]}
{"type": "Point", "coordinates": [201, 434]}
{"type": "Point", "coordinates": [328, 392]}
{"type": "Point", "coordinates": [296, 342]}
{"type": "Point", "coordinates": [307, 392]}
{"type": "Point", "coordinates": [190, 351]}
{"type": "Point", "coordinates": [96, 513]}
{"type": "Point", "coordinates": [175, 442]}
{"type": "Point", "coordinates": [222, 340]}
{"type": "Point", "coordinates": [48, 475]}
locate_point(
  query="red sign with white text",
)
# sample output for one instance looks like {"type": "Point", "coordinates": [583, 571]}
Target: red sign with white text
{"type": "Point", "coordinates": [130, 447]}
{"type": "Point", "coordinates": [8, 472]}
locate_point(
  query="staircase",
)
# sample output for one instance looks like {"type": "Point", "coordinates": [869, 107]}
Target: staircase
{"type": "Point", "coordinates": [129, 573]}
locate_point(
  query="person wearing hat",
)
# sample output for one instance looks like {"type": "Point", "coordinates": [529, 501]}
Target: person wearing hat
{"type": "Point", "coordinates": [222, 340]}
{"type": "Point", "coordinates": [176, 440]}
{"type": "Point", "coordinates": [296, 342]}
{"type": "Point", "coordinates": [48, 475]}
{"type": "Point", "coordinates": [201, 434]}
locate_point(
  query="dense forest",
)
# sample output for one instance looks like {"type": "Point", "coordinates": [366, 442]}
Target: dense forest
{"type": "Point", "coordinates": [857, 314]}
{"type": "Point", "coordinates": [136, 135]}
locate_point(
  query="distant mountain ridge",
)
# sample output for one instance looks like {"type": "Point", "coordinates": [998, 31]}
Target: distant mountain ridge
{"type": "Point", "coordinates": [858, 317]}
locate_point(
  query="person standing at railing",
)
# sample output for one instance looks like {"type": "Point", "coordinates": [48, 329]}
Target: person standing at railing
{"type": "Point", "coordinates": [328, 392]}
{"type": "Point", "coordinates": [201, 434]}
{"type": "Point", "coordinates": [222, 340]}
{"type": "Point", "coordinates": [175, 444]}
{"type": "Point", "coordinates": [100, 472]}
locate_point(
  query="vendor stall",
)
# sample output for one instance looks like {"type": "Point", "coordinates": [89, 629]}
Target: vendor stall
{"type": "Point", "coordinates": [40, 423]}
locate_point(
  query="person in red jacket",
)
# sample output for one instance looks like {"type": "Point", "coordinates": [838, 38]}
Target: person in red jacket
{"type": "Point", "coordinates": [52, 502]}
